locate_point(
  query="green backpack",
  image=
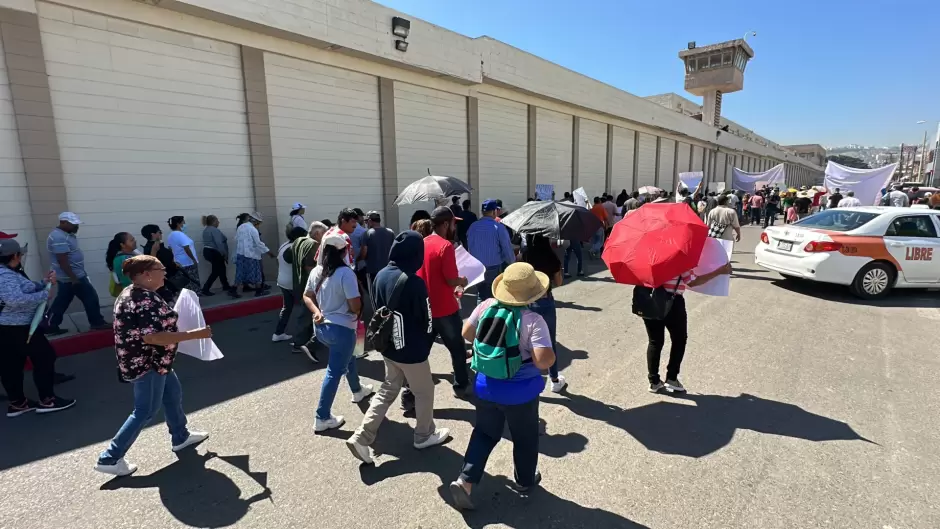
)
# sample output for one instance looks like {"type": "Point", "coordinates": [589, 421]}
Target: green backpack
{"type": "Point", "coordinates": [496, 345]}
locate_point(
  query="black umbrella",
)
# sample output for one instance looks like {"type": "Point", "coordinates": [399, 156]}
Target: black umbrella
{"type": "Point", "coordinates": [559, 220]}
{"type": "Point", "coordinates": [432, 187]}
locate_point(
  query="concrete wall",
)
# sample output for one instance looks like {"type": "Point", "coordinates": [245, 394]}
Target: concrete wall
{"type": "Point", "coordinates": [646, 160]}
{"type": "Point", "coordinates": [592, 157]}
{"type": "Point", "coordinates": [667, 168]}
{"type": "Point", "coordinates": [553, 149]}
{"type": "Point", "coordinates": [503, 155]}
{"type": "Point", "coordinates": [622, 160]}
{"type": "Point", "coordinates": [683, 157]}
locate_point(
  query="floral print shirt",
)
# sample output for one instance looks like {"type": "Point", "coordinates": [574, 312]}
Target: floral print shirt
{"type": "Point", "coordinates": [137, 313]}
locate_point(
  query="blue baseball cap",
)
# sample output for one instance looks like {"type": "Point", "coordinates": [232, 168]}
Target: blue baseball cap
{"type": "Point", "coordinates": [490, 205]}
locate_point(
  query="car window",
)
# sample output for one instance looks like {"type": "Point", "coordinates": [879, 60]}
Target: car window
{"type": "Point", "coordinates": [837, 220]}
{"type": "Point", "coordinates": [912, 226]}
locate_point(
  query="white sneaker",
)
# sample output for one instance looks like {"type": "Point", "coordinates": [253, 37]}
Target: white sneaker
{"type": "Point", "coordinates": [119, 468]}
{"type": "Point", "coordinates": [674, 386]}
{"type": "Point", "coordinates": [280, 337]}
{"type": "Point", "coordinates": [560, 385]}
{"type": "Point", "coordinates": [335, 421]}
{"type": "Point", "coordinates": [360, 452]}
{"type": "Point", "coordinates": [193, 439]}
{"type": "Point", "coordinates": [361, 354]}
{"type": "Point", "coordinates": [438, 437]}
{"type": "Point", "coordinates": [364, 392]}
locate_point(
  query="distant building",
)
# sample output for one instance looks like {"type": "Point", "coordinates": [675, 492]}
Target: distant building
{"type": "Point", "coordinates": [812, 152]}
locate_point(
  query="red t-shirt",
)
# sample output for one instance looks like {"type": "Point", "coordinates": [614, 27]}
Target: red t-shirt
{"type": "Point", "coordinates": [440, 264]}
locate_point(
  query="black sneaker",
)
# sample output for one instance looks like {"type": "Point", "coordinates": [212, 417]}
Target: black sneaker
{"type": "Point", "coordinates": [25, 406]}
{"type": "Point", "coordinates": [62, 378]}
{"type": "Point", "coordinates": [206, 293]}
{"type": "Point", "coordinates": [234, 293]}
{"type": "Point", "coordinates": [55, 331]}
{"type": "Point", "coordinates": [519, 488]}
{"type": "Point", "coordinates": [54, 404]}
{"type": "Point", "coordinates": [656, 387]}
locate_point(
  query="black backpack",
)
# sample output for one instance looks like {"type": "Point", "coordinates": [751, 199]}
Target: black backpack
{"type": "Point", "coordinates": [380, 332]}
{"type": "Point", "coordinates": [653, 303]}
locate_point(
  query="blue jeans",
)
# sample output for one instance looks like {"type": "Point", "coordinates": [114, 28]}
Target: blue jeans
{"type": "Point", "coordinates": [597, 241]}
{"type": "Point", "coordinates": [545, 308]}
{"type": "Point", "coordinates": [485, 288]}
{"type": "Point", "coordinates": [574, 247]}
{"type": "Point", "coordinates": [67, 291]}
{"type": "Point", "coordinates": [150, 391]}
{"type": "Point", "coordinates": [342, 342]}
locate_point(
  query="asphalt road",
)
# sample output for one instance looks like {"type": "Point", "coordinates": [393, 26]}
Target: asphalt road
{"type": "Point", "coordinates": [807, 409]}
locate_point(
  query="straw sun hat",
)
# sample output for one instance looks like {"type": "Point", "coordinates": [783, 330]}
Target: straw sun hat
{"type": "Point", "coordinates": [519, 285]}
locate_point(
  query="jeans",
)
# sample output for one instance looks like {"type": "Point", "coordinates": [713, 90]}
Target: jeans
{"type": "Point", "coordinates": [676, 322]}
{"type": "Point", "coordinates": [67, 291]}
{"type": "Point", "coordinates": [450, 329]}
{"type": "Point", "coordinates": [770, 216]}
{"type": "Point", "coordinates": [545, 308]}
{"type": "Point", "coordinates": [150, 391]}
{"type": "Point", "coordinates": [286, 310]}
{"type": "Point", "coordinates": [755, 215]}
{"type": "Point", "coordinates": [419, 379]}
{"type": "Point", "coordinates": [523, 420]}
{"type": "Point", "coordinates": [13, 359]}
{"type": "Point", "coordinates": [575, 248]}
{"type": "Point", "coordinates": [219, 269]}
{"type": "Point", "coordinates": [485, 288]}
{"type": "Point", "coordinates": [597, 241]}
{"type": "Point", "coordinates": [341, 341]}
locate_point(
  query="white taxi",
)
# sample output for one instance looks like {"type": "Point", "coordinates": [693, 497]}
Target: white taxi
{"type": "Point", "coordinates": [871, 249]}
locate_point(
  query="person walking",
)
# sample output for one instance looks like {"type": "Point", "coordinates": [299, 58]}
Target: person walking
{"type": "Point", "coordinates": [503, 396]}
{"type": "Point", "coordinates": [723, 222]}
{"type": "Point", "coordinates": [541, 256]}
{"type": "Point", "coordinates": [249, 249]}
{"type": "Point", "coordinates": [444, 284]}
{"type": "Point", "coordinates": [404, 294]}
{"type": "Point", "coordinates": [346, 223]}
{"type": "Point", "coordinates": [215, 250]}
{"type": "Point", "coordinates": [19, 300]}
{"type": "Point", "coordinates": [120, 248]}
{"type": "Point", "coordinates": [297, 218]}
{"type": "Point", "coordinates": [376, 247]}
{"type": "Point", "coordinates": [184, 253]}
{"type": "Point", "coordinates": [68, 263]}
{"type": "Point", "coordinates": [285, 281]}
{"type": "Point", "coordinates": [849, 201]}
{"type": "Point", "coordinates": [756, 204]}
{"type": "Point", "coordinates": [771, 206]}
{"type": "Point", "coordinates": [488, 241]}
{"type": "Point", "coordinates": [332, 296]}
{"type": "Point", "coordinates": [677, 323]}
{"type": "Point", "coordinates": [301, 256]}
{"type": "Point", "coordinates": [597, 241]}
{"type": "Point", "coordinates": [898, 198]}
{"type": "Point", "coordinates": [155, 247]}
{"type": "Point", "coordinates": [467, 218]}
{"type": "Point", "coordinates": [835, 198]}
{"type": "Point", "coordinates": [145, 339]}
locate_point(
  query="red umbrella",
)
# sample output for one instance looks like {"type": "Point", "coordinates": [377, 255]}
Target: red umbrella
{"type": "Point", "coordinates": [654, 244]}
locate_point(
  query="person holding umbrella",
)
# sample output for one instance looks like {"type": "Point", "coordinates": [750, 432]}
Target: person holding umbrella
{"type": "Point", "coordinates": [656, 249]}
{"type": "Point", "coordinates": [20, 299]}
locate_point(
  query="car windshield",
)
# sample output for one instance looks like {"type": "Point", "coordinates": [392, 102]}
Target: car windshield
{"type": "Point", "coordinates": [837, 220]}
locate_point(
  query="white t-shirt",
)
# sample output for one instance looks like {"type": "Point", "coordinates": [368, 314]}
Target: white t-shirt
{"type": "Point", "coordinates": [849, 202]}
{"type": "Point", "coordinates": [285, 277]}
{"type": "Point", "coordinates": [298, 222]}
{"type": "Point", "coordinates": [177, 241]}
{"type": "Point", "coordinates": [333, 293]}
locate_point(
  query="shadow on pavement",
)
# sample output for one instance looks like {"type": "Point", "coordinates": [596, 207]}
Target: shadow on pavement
{"type": "Point", "coordinates": [559, 304]}
{"type": "Point", "coordinates": [496, 502]}
{"type": "Point", "coordinates": [555, 446]}
{"type": "Point", "coordinates": [251, 363]}
{"type": "Point", "coordinates": [565, 356]}
{"type": "Point", "coordinates": [681, 428]}
{"type": "Point", "coordinates": [198, 496]}
{"type": "Point", "coordinates": [902, 297]}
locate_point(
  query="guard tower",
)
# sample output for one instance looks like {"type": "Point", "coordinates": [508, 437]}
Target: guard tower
{"type": "Point", "coordinates": [713, 70]}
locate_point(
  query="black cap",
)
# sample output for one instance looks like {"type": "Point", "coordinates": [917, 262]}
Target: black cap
{"type": "Point", "coordinates": [374, 216]}
{"type": "Point", "coordinates": [442, 214]}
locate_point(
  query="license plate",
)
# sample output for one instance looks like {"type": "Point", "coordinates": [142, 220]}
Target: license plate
{"type": "Point", "coordinates": [784, 245]}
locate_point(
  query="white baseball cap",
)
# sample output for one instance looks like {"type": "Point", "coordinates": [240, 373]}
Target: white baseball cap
{"type": "Point", "coordinates": [298, 205]}
{"type": "Point", "coordinates": [69, 217]}
{"type": "Point", "coordinates": [335, 240]}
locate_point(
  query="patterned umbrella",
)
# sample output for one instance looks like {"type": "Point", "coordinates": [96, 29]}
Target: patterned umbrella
{"type": "Point", "coordinates": [432, 187]}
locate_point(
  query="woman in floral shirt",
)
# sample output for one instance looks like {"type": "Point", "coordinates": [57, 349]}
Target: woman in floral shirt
{"type": "Point", "coordinates": [145, 340]}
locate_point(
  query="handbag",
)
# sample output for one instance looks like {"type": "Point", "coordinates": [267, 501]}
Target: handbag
{"type": "Point", "coordinates": [653, 303]}
{"type": "Point", "coordinates": [716, 230]}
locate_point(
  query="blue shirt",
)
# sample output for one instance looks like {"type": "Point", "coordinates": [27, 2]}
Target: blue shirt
{"type": "Point", "coordinates": [60, 242]}
{"type": "Point", "coordinates": [20, 297]}
{"type": "Point", "coordinates": [356, 239]}
{"type": "Point", "coordinates": [488, 241]}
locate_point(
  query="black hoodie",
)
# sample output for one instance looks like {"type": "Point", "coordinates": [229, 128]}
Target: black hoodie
{"type": "Point", "coordinates": [412, 332]}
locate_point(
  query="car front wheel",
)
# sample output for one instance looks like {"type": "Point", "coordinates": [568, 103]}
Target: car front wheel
{"type": "Point", "coordinates": [874, 281]}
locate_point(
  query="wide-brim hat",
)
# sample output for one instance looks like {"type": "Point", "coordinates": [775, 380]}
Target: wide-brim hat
{"type": "Point", "coordinates": [520, 285]}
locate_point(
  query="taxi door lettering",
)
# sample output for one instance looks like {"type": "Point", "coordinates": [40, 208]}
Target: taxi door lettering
{"type": "Point", "coordinates": [919, 254]}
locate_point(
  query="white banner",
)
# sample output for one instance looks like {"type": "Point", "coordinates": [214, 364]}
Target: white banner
{"type": "Point", "coordinates": [688, 181]}
{"type": "Point", "coordinates": [580, 197]}
{"type": "Point", "coordinates": [747, 182]}
{"type": "Point", "coordinates": [866, 183]}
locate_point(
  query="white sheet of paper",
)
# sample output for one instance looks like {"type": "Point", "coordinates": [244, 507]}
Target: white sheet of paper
{"type": "Point", "coordinates": [544, 191]}
{"type": "Point", "coordinates": [717, 252]}
{"type": "Point", "coordinates": [468, 266]}
{"type": "Point", "coordinates": [191, 318]}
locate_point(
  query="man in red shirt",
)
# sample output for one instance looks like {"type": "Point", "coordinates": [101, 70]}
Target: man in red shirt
{"type": "Point", "coordinates": [345, 225]}
{"type": "Point", "coordinates": [444, 283]}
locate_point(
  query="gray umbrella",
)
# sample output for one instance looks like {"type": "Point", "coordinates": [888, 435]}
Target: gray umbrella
{"type": "Point", "coordinates": [560, 220]}
{"type": "Point", "coordinates": [432, 187]}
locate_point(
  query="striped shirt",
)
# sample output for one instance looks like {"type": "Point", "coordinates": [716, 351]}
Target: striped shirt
{"type": "Point", "coordinates": [488, 241]}
{"type": "Point", "coordinates": [683, 280]}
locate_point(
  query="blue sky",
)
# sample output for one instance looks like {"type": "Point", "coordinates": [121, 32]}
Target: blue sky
{"type": "Point", "coordinates": [827, 71]}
